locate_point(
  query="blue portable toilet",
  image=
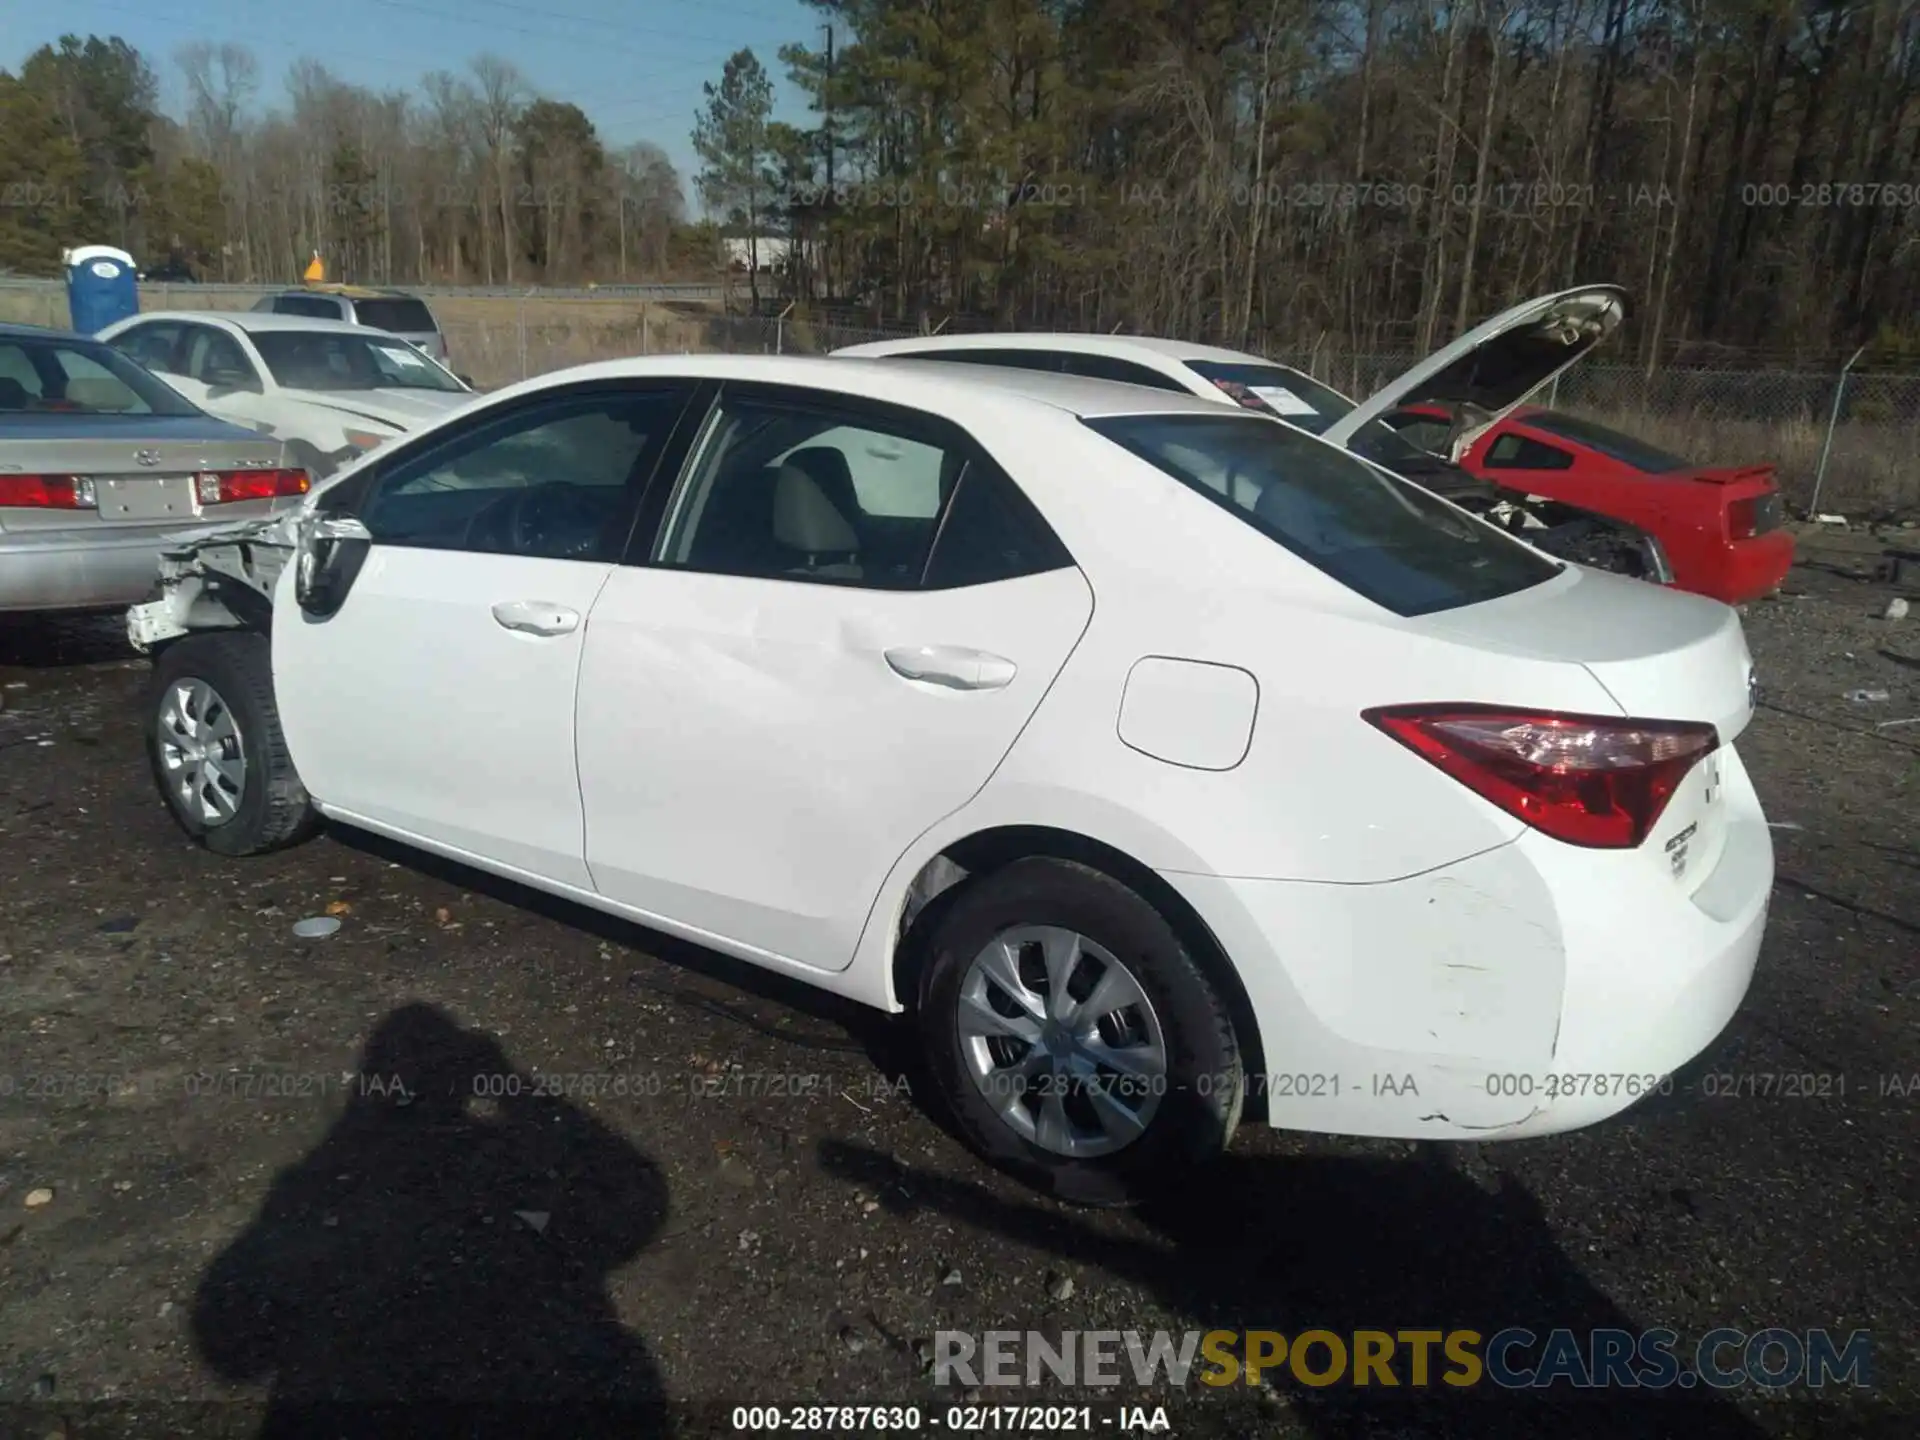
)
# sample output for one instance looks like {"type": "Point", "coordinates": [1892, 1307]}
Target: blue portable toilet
{"type": "Point", "coordinates": [102, 287]}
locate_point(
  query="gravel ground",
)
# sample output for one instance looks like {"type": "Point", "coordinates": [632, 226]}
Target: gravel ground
{"type": "Point", "coordinates": [247, 1212]}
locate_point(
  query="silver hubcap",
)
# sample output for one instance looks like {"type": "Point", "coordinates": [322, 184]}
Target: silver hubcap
{"type": "Point", "coordinates": [1063, 1042]}
{"type": "Point", "coordinates": [201, 752]}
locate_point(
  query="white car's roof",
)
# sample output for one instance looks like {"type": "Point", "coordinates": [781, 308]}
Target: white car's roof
{"type": "Point", "coordinates": [931, 386]}
{"type": "Point", "coordinates": [1134, 347]}
{"type": "Point", "coordinates": [259, 320]}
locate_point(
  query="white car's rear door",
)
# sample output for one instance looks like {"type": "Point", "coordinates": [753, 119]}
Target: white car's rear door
{"type": "Point", "coordinates": [437, 701]}
{"type": "Point", "coordinates": [783, 692]}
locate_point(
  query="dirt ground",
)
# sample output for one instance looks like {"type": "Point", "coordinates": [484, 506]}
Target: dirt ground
{"type": "Point", "coordinates": [748, 1206]}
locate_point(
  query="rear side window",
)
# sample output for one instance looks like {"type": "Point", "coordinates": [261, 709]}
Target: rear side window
{"type": "Point", "coordinates": [1517, 452]}
{"type": "Point", "coordinates": [1046, 360]}
{"type": "Point", "coordinates": [400, 316]}
{"type": "Point", "coordinates": [992, 532]}
{"type": "Point", "coordinates": [1392, 542]}
{"type": "Point", "coordinates": [318, 307]}
{"type": "Point", "coordinates": [1127, 372]}
{"type": "Point", "coordinates": [1611, 443]}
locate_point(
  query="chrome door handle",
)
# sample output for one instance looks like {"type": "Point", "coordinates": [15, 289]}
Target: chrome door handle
{"type": "Point", "coordinates": [536, 617]}
{"type": "Point", "coordinates": [953, 666]}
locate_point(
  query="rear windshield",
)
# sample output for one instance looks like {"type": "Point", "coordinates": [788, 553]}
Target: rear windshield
{"type": "Point", "coordinates": [1294, 396]}
{"type": "Point", "coordinates": [1301, 400]}
{"type": "Point", "coordinates": [1398, 545]}
{"type": "Point", "coordinates": [1611, 443]}
{"type": "Point", "coordinates": [79, 377]}
{"type": "Point", "coordinates": [402, 317]}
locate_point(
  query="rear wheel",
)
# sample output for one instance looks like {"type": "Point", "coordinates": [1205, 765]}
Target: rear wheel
{"type": "Point", "coordinates": [1073, 1038]}
{"type": "Point", "coordinates": [216, 748]}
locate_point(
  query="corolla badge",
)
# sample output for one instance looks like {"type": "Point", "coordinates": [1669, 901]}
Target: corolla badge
{"type": "Point", "coordinates": [148, 458]}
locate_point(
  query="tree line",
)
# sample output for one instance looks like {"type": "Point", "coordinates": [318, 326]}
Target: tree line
{"type": "Point", "coordinates": [1366, 174]}
{"type": "Point", "coordinates": [472, 179]}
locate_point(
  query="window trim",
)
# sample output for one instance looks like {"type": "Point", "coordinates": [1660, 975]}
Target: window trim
{"type": "Point", "coordinates": [351, 495]}
{"type": "Point", "coordinates": [650, 527]}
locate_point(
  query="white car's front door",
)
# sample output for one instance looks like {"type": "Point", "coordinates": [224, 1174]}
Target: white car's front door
{"type": "Point", "coordinates": [798, 680]}
{"type": "Point", "coordinates": [436, 702]}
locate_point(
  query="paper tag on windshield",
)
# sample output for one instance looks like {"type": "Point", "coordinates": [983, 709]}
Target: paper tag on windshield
{"type": "Point", "coordinates": [401, 357]}
{"type": "Point", "coordinates": [1283, 400]}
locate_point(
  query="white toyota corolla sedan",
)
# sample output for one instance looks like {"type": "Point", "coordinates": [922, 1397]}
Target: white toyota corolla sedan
{"type": "Point", "coordinates": [1167, 763]}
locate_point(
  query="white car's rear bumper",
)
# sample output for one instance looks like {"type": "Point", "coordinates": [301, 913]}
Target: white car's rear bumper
{"type": "Point", "coordinates": [1530, 989]}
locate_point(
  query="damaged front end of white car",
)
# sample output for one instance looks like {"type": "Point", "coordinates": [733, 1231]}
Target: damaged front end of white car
{"type": "Point", "coordinates": [218, 580]}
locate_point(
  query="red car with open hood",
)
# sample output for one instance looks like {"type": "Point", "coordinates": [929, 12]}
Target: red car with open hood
{"type": "Point", "coordinates": [1720, 524]}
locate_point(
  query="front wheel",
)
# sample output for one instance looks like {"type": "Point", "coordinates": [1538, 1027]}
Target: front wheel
{"type": "Point", "coordinates": [1073, 1038]}
{"type": "Point", "coordinates": [216, 748]}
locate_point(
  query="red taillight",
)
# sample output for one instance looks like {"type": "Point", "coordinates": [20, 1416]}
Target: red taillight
{"type": "Point", "coordinates": [46, 492]}
{"type": "Point", "coordinates": [1742, 516]}
{"type": "Point", "coordinates": [223, 487]}
{"type": "Point", "coordinates": [1591, 780]}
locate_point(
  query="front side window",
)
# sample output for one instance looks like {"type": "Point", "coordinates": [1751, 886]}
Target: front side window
{"type": "Point", "coordinates": [1392, 542]}
{"type": "Point", "coordinates": [215, 358]}
{"type": "Point", "coordinates": [151, 345]}
{"type": "Point", "coordinates": [340, 360]}
{"type": "Point", "coordinates": [552, 480]}
{"type": "Point", "coordinates": [79, 377]}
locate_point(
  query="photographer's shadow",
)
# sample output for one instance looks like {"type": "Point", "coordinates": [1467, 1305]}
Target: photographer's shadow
{"type": "Point", "coordinates": [438, 1263]}
{"type": "Point", "coordinates": [1343, 1245]}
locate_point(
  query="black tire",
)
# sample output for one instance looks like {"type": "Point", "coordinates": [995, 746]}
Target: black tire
{"type": "Point", "coordinates": [272, 810]}
{"type": "Point", "coordinates": [1205, 1087]}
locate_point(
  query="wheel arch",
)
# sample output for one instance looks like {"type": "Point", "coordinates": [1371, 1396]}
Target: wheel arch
{"type": "Point", "coordinates": [944, 874]}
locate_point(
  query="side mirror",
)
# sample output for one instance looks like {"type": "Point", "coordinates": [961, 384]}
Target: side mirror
{"type": "Point", "coordinates": [467, 380]}
{"type": "Point", "coordinates": [327, 557]}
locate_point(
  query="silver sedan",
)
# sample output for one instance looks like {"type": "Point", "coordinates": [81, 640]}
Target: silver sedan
{"type": "Point", "coordinates": [102, 465]}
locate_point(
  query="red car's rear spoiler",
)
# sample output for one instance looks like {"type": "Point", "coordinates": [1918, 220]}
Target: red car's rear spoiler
{"type": "Point", "coordinates": [1733, 474]}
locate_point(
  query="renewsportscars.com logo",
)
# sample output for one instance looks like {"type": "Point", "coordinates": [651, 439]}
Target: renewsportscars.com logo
{"type": "Point", "coordinates": [1514, 1358]}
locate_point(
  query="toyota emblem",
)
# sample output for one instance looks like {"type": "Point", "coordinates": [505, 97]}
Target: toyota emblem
{"type": "Point", "coordinates": [146, 457]}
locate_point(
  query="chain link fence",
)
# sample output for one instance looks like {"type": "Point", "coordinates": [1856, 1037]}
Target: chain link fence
{"type": "Point", "coordinates": [1853, 441]}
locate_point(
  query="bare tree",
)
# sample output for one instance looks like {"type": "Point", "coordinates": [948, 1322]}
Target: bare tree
{"type": "Point", "coordinates": [502, 93]}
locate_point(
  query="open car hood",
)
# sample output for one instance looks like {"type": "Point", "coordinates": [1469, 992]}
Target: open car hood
{"type": "Point", "coordinates": [1496, 365]}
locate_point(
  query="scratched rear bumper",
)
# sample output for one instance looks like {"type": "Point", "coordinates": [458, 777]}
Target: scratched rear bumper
{"type": "Point", "coordinates": [1530, 989]}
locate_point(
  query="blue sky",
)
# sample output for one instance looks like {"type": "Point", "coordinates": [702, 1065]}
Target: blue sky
{"type": "Point", "coordinates": [635, 68]}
